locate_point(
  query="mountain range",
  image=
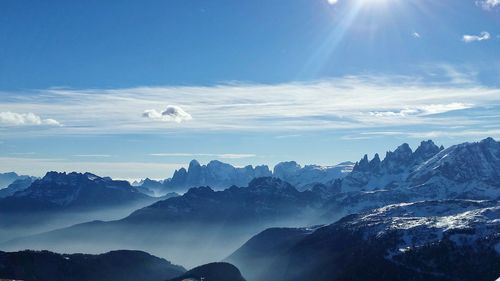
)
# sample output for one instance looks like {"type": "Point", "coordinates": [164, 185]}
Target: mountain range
{"type": "Point", "coordinates": [464, 171]}
{"type": "Point", "coordinates": [219, 175]}
{"type": "Point", "coordinates": [413, 215]}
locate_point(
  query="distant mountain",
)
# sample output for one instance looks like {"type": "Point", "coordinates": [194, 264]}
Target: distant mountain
{"type": "Point", "coordinates": [432, 240]}
{"type": "Point", "coordinates": [468, 170]}
{"type": "Point", "coordinates": [306, 177]}
{"type": "Point", "coordinates": [216, 174]}
{"type": "Point", "coordinates": [7, 178]}
{"type": "Point", "coordinates": [61, 199]}
{"type": "Point", "coordinates": [225, 219]}
{"type": "Point", "coordinates": [464, 171]}
{"type": "Point", "coordinates": [71, 191]}
{"type": "Point", "coordinates": [217, 271]}
{"type": "Point", "coordinates": [151, 187]}
{"type": "Point", "coordinates": [219, 175]}
{"type": "Point", "coordinates": [263, 199]}
{"type": "Point", "coordinates": [198, 227]}
{"type": "Point", "coordinates": [115, 265]}
{"type": "Point", "coordinates": [391, 172]}
{"type": "Point", "coordinates": [18, 185]}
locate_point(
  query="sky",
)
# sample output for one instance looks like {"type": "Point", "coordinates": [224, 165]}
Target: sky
{"type": "Point", "coordinates": [135, 89]}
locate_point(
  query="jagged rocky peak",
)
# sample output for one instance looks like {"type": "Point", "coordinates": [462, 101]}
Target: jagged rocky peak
{"type": "Point", "coordinates": [362, 165]}
{"type": "Point", "coordinates": [305, 177]}
{"type": "Point", "coordinates": [262, 171]}
{"type": "Point", "coordinates": [179, 176]}
{"type": "Point", "coordinates": [60, 177]}
{"type": "Point", "coordinates": [180, 172]}
{"type": "Point", "coordinates": [374, 164]}
{"type": "Point", "coordinates": [215, 174]}
{"type": "Point", "coordinates": [52, 175]}
{"type": "Point", "coordinates": [366, 165]}
{"type": "Point", "coordinates": [402, 155]}
{"type": "Point", "coordinates": [194, 165]}
{"type": "Point", "coordinates": [376, 160]}
{"type": "Point", "coordinates": [426, 150]}
{"type": "Point", "coordinates": [489, 141]}
{"type": "Point", "coordinates": [468, 162]}
{"type": "Point", "coordinates": [72, 178]}
{"type": "Point", "coordinates": [219, 175]}
{"type": "Point", "coordinates": [285, 169]}
{"type": "Point", "coordinates": [147, 181]}
{"type": "Point", "coordinates": [395, 161]}
{"type": "Point", "coordinates": [216, 164]}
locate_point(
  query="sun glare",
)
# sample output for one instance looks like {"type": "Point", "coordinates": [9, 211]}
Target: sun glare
{"type": "Point", "coordinates": [364, 2]}
{"type": "Point", "coordinates": [372, 2]}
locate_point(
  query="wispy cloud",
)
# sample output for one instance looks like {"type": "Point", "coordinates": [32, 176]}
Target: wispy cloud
{"type": "Point", "coordinates": [289, 136]}
{"type": "Point", "coordinates": [93, 155]}
{"type": "Point", "coordinates": [332, 2]}
{"type": "Point", "coordinates": [171, 114]}
{"type": "Point", "coordinates": [347, 103]}
{"type": "Point", "coordinates": [488, 4]}
{"type": "Point", "coordinates": [25, 119]}
{"type": "Point", "coordinates": [220, 156]}
{"type": "Point", "coordinates": [472, 38]}
{"type": "Point", "coordinates": [22, 153]}
{"type": "Point", "coordinates": [416, 35]}
{"type": "Point", "coordinates": [431, 134]}
{"type": "Point", "coordinates": [422, 110]}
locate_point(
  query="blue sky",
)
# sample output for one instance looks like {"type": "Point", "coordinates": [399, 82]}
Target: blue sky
{"type": "Point", "coordinates": [133, 89]}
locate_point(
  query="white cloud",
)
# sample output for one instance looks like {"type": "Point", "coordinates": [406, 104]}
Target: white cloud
{"type": "Point", "coordinates": [469, 133]}
{"type": "Point", "coordinates": [488, 4]}
{"type": "Point", "coordinates": [20, 119]}
{"type": "Point", "coordinates": [481, 37]}
{"type": "Point", "coordinates": [422, 110]}
{"type": "Point", "coordinates": [220, 156]}
{"type": "Point", "coordinates": [171, 114]}
{"type": "Point", "coordinates": [346, 103]}
{"type": "Point", "coordinates": [332, 2]}
{"type": "Point", "coordinates": [416, 35]}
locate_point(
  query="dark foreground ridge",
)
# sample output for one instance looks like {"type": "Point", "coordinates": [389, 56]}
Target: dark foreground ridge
{"type": "Point", "coordinates": [217, 271]}
{"type": "Point", "coordinates": [116, 265]}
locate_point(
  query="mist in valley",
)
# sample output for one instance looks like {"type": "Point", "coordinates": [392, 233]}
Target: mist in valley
{"type": "Point", "coordinates": [186, 244]}
{"type": "Point", "coordinates": [13, 225]}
